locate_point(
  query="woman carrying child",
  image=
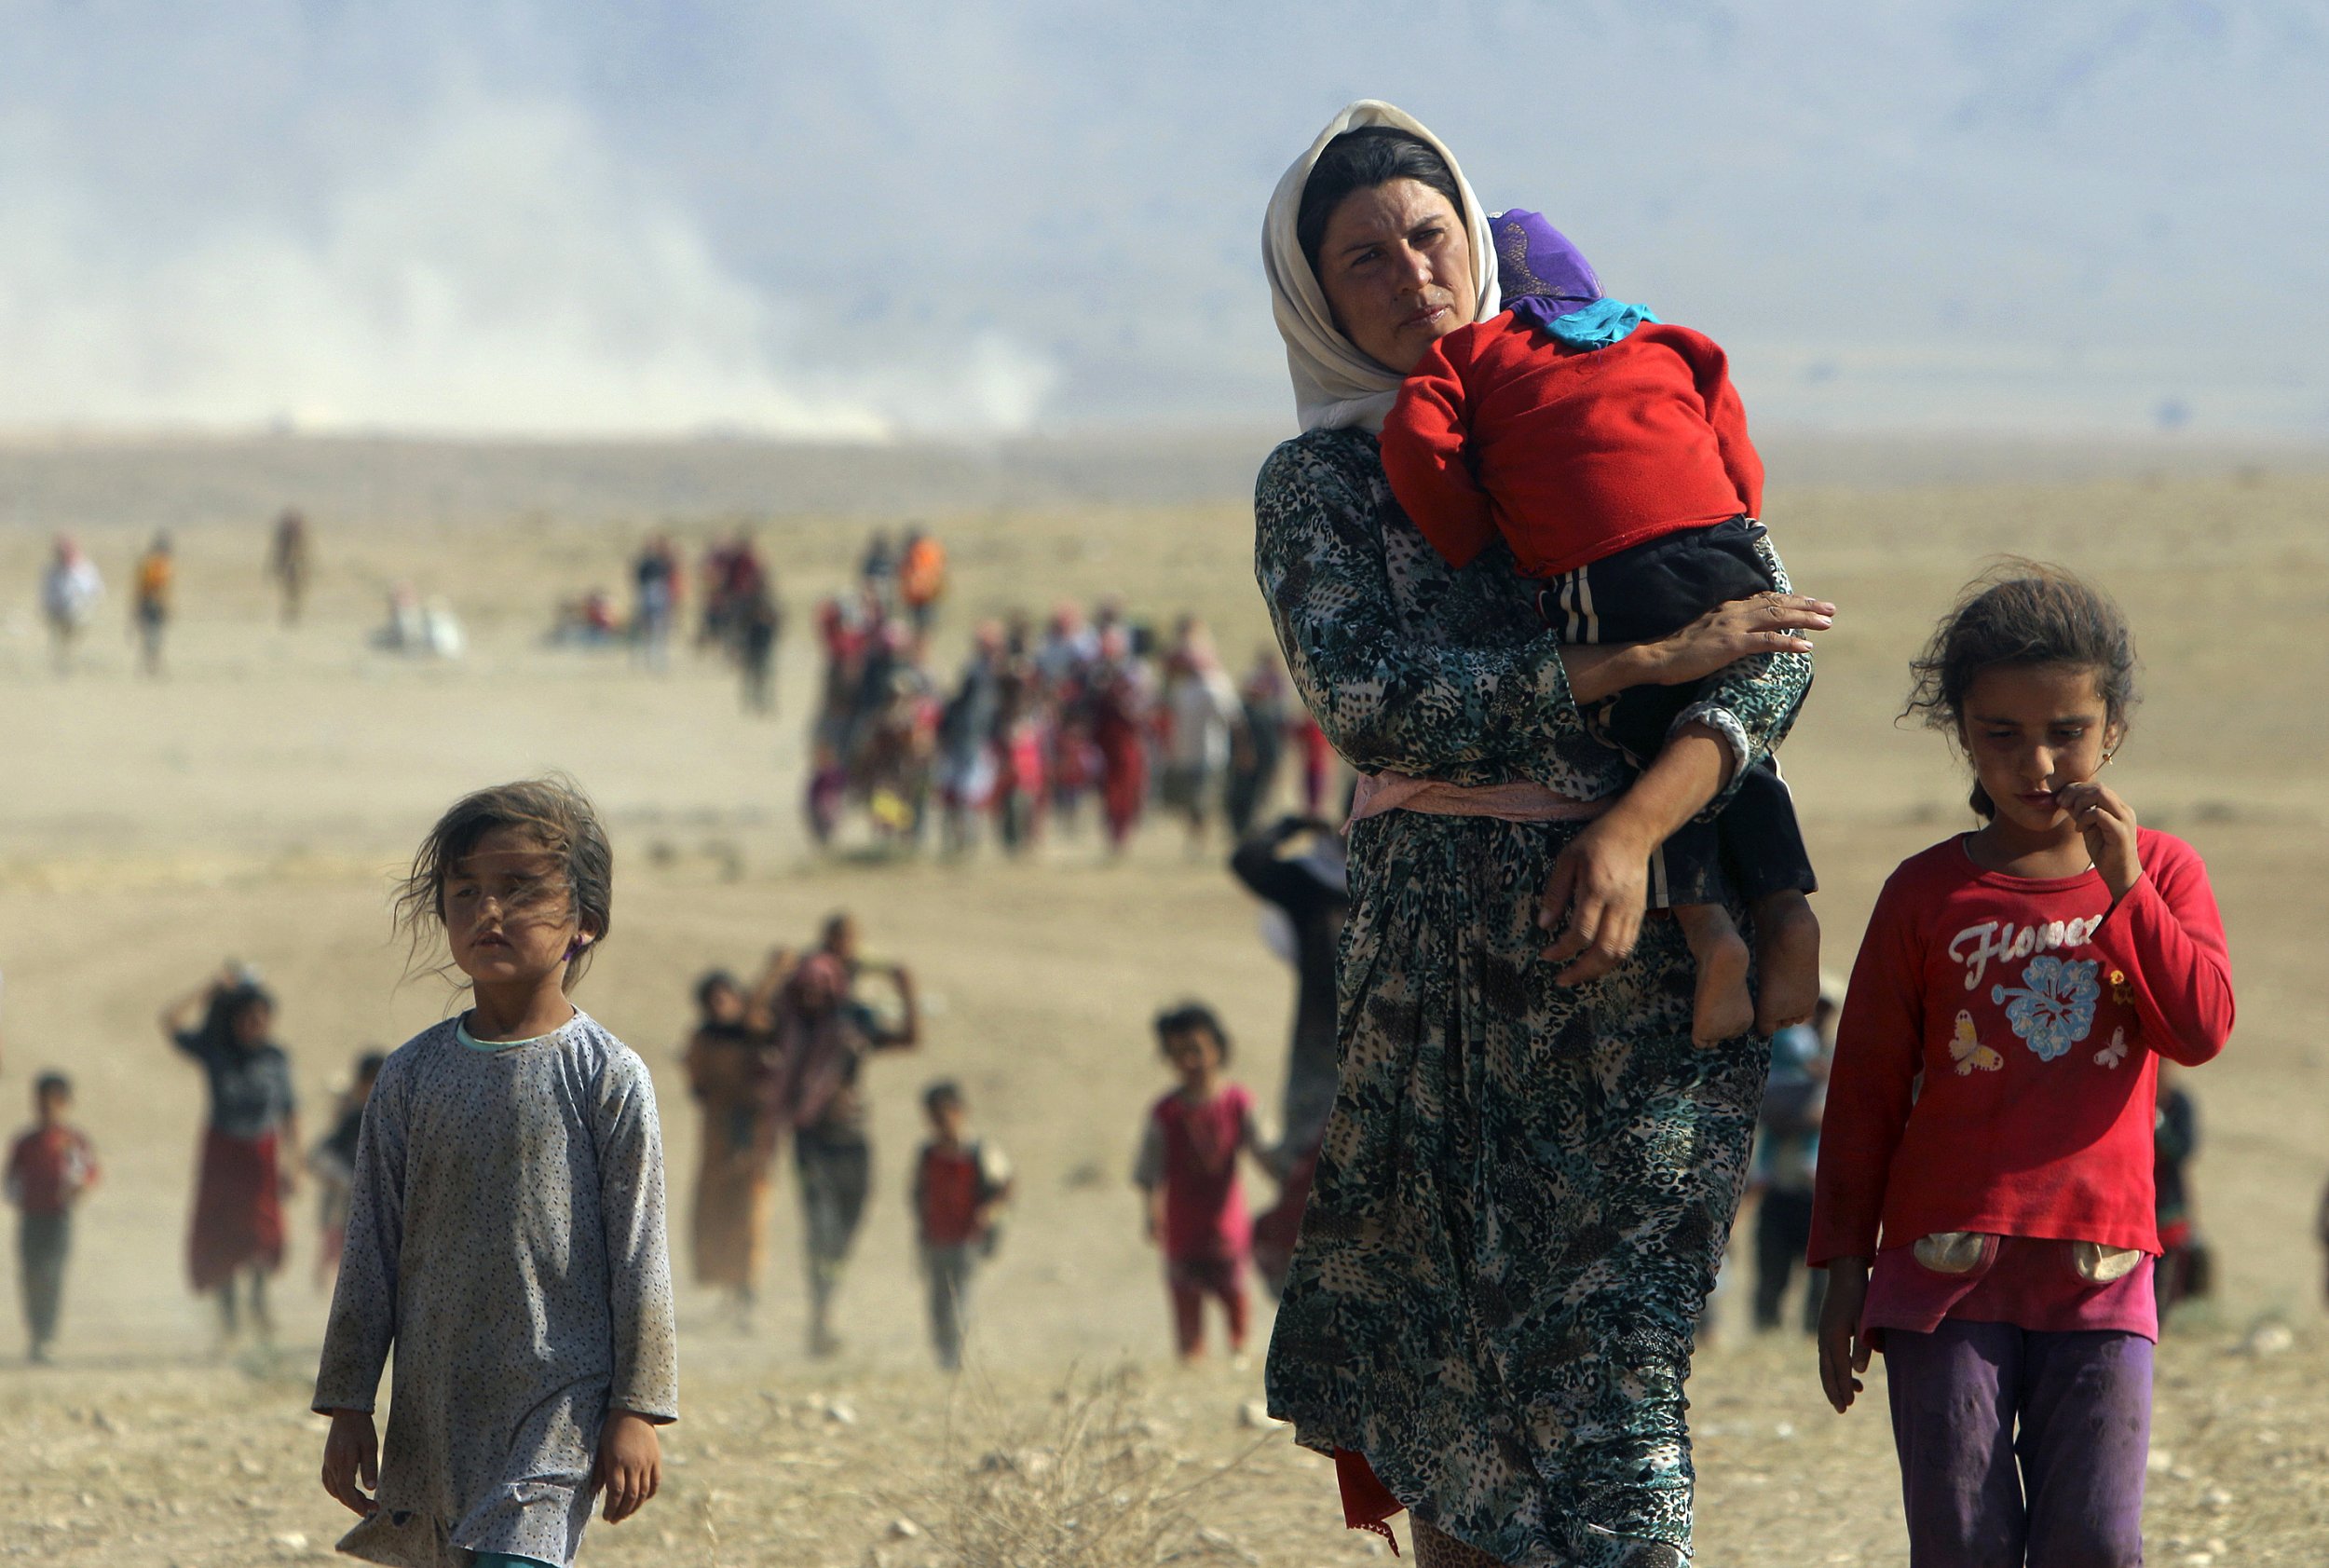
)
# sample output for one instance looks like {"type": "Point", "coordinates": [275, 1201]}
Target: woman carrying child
{"type": "Point", "coordinates": [1985, 1201]}
{"type": "Point", "coordinates": [238, 1230]}
{"type": "Point", "coordinates": [1529, 1171]}
{"type": "Point", "coordinates": [506, 1233]}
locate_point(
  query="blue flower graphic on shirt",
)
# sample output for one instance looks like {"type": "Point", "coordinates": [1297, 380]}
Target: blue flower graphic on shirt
{"type": "Point", "coordinates": [2053, 1007]}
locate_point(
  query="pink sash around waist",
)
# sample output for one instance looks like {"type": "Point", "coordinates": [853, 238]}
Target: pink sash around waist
{"type": "Point", "coordinates": [1521, 801]}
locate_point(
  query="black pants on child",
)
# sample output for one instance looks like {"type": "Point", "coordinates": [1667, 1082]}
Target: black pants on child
{"type": "Point", "coordinates": [1640, 595]}
{"type": "Point", "coordinates": [42, 1242]}
{"type": "Point", "coordinates": [1782, 1237]}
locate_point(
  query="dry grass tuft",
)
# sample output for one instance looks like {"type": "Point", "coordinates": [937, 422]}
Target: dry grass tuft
{"type": "Point", "coordinates": [1085, 1481]}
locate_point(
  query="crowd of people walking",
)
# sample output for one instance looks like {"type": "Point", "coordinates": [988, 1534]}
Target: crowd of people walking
{"type": "Point", "coordinates": [1092, 718]}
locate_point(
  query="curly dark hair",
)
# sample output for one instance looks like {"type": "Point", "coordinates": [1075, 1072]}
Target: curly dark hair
{"type": "Point", "coordinates": [558, 815]}
{"type": "Point", "coordinates": [2021, 614]}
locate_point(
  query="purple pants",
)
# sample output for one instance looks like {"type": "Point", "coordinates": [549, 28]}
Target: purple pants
{"type": "Point", "coordinates": [2065, 1490]}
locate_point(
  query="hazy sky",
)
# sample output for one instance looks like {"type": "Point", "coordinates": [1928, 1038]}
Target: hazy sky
{"type": "Point", "coordinates": [962, 218]}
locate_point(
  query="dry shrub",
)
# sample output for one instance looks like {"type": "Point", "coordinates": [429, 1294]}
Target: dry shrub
{"type": "Point", "coordinates": [1085, 1483]}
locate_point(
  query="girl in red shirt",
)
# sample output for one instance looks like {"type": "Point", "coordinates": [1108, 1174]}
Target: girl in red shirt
{"type": "Point", "coordinates": [1984, 1200]}
{"type": "Point", "coordinates": [1192, 1201]}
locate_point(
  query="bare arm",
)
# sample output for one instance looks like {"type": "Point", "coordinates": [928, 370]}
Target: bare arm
{"type": "Point", "coordinates": [760, 1006]}
{"type": "Point", "coordinates": [909, 1034]}
{"type": "Point", "coordinates": [183, 1013]}
{"type": "Point", "coordinates": [1599, 884]}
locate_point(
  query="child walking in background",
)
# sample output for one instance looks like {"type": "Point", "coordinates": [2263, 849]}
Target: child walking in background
{"type": "Point", "coordinates": [960, 1184]}
{"type": "Point", "coordinates": [1991, 1228]}
{"type": "Point", "coordinates": [505, 1232]}
{"type": "Point", "coordinates": [50, 1167]}
{"type": "Point", "coordinates": [333, 1163]}
{"type": "Point", "coordinates": [1193, 1205]}
{"type": "Point", "coordinates": [238, 1230]}
{"type": "Point", "coordinates": [1609, 450]}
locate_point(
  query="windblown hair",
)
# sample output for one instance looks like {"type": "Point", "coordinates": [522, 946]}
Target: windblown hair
{"type": "Point", "coordinates": [1191, 1018]}
{"type": "Point", "coordinates": [1359, 161]}
{"type": "Point", "coordinates": [554, 812]}
{"type": "Point", "coordinates": [2021, 614]}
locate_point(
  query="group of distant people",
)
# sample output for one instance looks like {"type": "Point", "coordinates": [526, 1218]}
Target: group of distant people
{"type": "Point", "coordinates": [784, 1057]}
{"type": "Point", "coordinates": [1038, 725]}
{"type": "Point", "coordinates": [742, 620]}
{"type": "Point", "coordinates": [71, 588]}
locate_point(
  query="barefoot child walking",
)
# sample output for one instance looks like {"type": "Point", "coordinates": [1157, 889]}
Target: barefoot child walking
{"type": "Point", "coordinates": [506, 1228]}
{"type": "Point", "coordinates": [1194, 1204]}
{"type": "Point", "coordinates": [1991, 1230]}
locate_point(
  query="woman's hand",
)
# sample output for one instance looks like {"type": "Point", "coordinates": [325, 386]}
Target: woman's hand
{"type": "Point", "coordinates": [1843, 1350]}
{"type": "Point", "coordinates": [351, 1455]}
{"type": "Point", "coordinates": [1772, 622]}
{"type": "Point", "coordinates": [630, 1467]}
{"type": "Point", "coordinates": [1601, 882]}
{"type": "Point", "coordinates": [1598, 887]}
{"type": "Point", "coordinates": [2107, 823]}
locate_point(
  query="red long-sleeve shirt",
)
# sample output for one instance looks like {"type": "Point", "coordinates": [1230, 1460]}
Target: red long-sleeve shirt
{"type": "Point", "coordinates": [2035, 1013]}
{"type": "Point", "coordinates": [1571, 455]}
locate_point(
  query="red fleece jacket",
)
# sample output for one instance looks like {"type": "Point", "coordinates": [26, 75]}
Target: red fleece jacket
{"type": "Point", "coordinates": [2034, 1013]}
{"type": "Point", "coordinates": [1571, 455]}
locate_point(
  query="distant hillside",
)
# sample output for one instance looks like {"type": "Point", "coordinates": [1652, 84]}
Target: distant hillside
{"type": "Point", "coordinates": [98, 482]}
{"type": "Point", "coordinates": [818, 220]}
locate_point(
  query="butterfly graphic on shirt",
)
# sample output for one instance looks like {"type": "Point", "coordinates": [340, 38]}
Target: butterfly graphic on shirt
{"type": "Point", "coordinates": [1967, 1051]}
{"type": "Point", "coordinates": [2115, 1052]}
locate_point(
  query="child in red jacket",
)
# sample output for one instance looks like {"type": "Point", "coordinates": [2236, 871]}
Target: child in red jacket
{"type": "Point", "coordinates": [1984, 1199]}
{"type": "Point", "coordinates": [1610, 452]}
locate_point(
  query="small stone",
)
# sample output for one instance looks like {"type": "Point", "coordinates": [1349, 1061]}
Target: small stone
{"type": "Point", "coordinates": [1256, 1414]}
{"type": "Point", "coordinates": [2269, 1338]}
{"type": "Point", "coordinates": [904, 1529]}
{"type": "Point", "coordinates": [2159, 1461]}
{"type": "Point", "coordinates": [840, 1412]}
{"type": "Point", "coordinates": [2198, 1560]}
{"type": "Point", "coordinates": [250, 1466]}
{"type": "Point", "coordinates": [291, 1542]}
{"type": "Point", "coordinates": [1784, 1429]}
{"type": "Point", "coordinates": [2215, 1498]}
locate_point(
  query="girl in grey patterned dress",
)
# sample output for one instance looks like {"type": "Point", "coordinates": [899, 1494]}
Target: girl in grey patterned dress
{"type": "Point", "coordinates": [1529, 1172]}
{"type": "Point", "coordinates": [506, 1228]}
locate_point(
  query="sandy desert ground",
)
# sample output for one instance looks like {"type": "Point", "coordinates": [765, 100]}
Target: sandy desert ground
{"type": "Point", "coordinates": [254, 803]}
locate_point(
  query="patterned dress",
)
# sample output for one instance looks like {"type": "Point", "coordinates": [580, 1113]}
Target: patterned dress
{"type": "Point", "coordinates": [1524, 1189]}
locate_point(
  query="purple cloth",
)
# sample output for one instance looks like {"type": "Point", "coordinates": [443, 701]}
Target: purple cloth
{"type": "Point", "coordinates": [2065, 1488]}
{"type": "Point", "coordinates": [1542, 276]}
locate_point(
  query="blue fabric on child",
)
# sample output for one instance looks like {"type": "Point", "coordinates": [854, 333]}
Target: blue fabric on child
{"type": "Point", "coordinates": [506, 1560]}
{"type": "Point", "coordinates": [1599, 324]}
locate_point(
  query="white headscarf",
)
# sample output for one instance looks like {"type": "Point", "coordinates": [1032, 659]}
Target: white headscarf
{"type": "Point", "coordinates": [1335, 383]}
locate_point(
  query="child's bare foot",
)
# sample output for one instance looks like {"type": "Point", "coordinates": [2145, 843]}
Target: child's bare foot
{"type": "Point", "coordinates": [1786, 962]}
{"type": "Point", "coordinates": [1724, 1007]}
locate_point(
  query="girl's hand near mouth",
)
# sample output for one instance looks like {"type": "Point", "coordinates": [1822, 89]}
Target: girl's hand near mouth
{"type": "Point", "coordinates": [2107, 823]}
